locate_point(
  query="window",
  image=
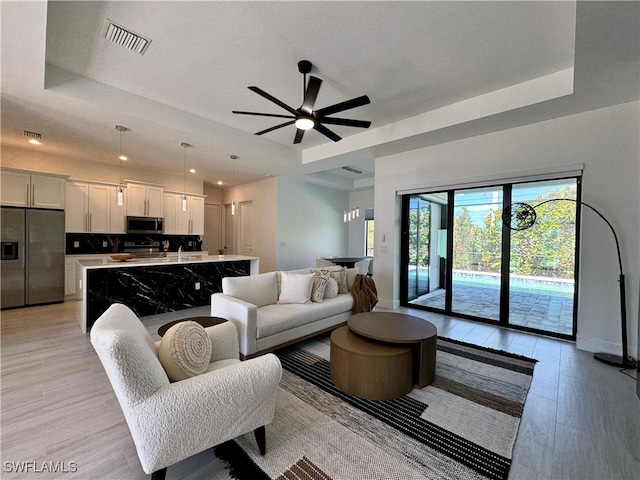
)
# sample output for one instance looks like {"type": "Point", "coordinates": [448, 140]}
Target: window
{"type": "Point", "coordinates": [368, 238]}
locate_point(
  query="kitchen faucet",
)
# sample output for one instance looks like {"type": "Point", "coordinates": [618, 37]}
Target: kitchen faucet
{"type": "Point", "coordinates": [180, 253]}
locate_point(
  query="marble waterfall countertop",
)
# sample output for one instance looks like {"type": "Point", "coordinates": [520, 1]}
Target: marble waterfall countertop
{"type": "Point", "coordinates": [189, 257]}
{"type": "Point", "coordinates": [154, 285]}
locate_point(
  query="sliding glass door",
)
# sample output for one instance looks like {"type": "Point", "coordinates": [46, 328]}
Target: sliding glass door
{"type": "Point", "coordinates": [477, 252]}
{"type": "Point", "coordinates": [542, 266]}
{"type": "Point", "coordinates": [519, 278]}
{"type": "Point", "coordinates": [419, 241]}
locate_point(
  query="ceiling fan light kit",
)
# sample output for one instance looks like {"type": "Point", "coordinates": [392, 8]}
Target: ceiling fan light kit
{"type": "Point", "coordinates": [305, 117]}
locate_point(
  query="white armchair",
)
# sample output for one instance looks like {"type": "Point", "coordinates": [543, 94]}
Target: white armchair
{"type": "Point", "coordinates": [173, 421]}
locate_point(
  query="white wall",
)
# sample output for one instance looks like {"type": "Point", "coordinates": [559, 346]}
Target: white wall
{"type": "Point", "coordinates": [604, 140]}
{"type": "Point", "coordinates": [32, 159]}
{"type": "Point", "coordinates": [264, 195]}
{"type": "Point", "coordinates": [310, 224]}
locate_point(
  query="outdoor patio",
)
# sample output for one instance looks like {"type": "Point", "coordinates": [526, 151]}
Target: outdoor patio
{"type": "Point", "coordinates": [549, 313]}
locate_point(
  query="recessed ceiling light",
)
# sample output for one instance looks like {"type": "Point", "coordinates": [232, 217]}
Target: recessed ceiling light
{"type": "Point", "coordinates": [220, 182]}
{"type": "Point", "coordinates": [33, 141]}
{"type": "Point", "coordinates": [123, 158]}
{"type": "Point", "coordinates": [193, 170]}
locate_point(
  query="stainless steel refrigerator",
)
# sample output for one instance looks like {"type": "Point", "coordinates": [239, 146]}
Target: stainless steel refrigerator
{"type": "Point", "coordinates": [32, 257]}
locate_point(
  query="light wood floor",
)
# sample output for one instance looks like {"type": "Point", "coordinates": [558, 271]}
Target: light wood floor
{"type": "Point", "coordinates": [581, 419]}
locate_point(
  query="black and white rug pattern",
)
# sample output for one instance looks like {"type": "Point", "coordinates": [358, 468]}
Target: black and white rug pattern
{"type": "Point", "coordinates": [463, 426]}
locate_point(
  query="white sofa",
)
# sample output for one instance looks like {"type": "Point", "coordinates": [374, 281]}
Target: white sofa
{"type": "Point", "coordinates": [264, 324]}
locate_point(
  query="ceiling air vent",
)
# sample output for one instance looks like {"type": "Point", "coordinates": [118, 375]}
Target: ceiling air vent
{"type": "Point", "coordinates": [352, 170]}
{"type": "Point", "coordinates": [126, 38]}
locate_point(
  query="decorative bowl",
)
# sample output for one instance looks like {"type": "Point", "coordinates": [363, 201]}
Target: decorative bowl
{"type": "Point", "coordinates": [122, 258]}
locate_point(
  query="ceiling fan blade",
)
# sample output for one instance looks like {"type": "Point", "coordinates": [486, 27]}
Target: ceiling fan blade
{"type": "Point", "coordinates": [347, 122]}
{"type": "Point", "coordinates": [262, 114]}
{"type": "Point", "coordinates": [299, 135]}
{"type": "Point", "coordinates": [326, 132]}
{"type": "Point", "coordinates": [313, 87]}
{"type": "Point", "coordinates": [262, 132]}
{"type": "Point", "coordinates": [342, 106]}
{"type": "Point", "coordinates": [274, 100]}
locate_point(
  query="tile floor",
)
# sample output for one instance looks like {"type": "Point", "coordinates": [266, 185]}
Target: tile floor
{"type": "Point", "coordinates": [581, 419]}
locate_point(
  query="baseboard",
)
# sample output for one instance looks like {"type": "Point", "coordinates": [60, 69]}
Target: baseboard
{"type": "Point", "coordinates": [595, 345]}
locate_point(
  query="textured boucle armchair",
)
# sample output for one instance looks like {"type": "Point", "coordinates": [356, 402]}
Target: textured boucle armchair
{"type": "Point", "coordinates": [173, 421]}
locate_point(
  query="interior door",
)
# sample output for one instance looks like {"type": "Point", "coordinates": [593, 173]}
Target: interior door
{"type": "Point", "coordinates": [246, 228]}
{"type": "Point", "coordinates": [212, 229]}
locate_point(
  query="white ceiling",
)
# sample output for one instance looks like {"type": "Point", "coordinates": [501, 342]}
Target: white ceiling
{"type": "Point", "coordinates": [61, 78]}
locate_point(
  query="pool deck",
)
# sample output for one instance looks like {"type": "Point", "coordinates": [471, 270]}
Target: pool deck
{"type": "Point", "coordinates": [542, 312]}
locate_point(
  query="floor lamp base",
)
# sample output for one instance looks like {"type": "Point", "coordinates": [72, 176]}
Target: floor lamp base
{"type": "Point", "coordinates": [615, 360]}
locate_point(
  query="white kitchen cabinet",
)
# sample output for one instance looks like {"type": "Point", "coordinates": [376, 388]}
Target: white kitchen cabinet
{"type": "Point", "coordinates": [178, 222]}
{"type": "Point", "coordinates": [169, 207]}
{"type": "Point", "coordinates": [71, 279]}
{"type": "Point", "coordinates": [25, 189]}
{"type": "Point", "coordinates": [91, 208]}
{"type": "Point", "coordinates": [145, 200]}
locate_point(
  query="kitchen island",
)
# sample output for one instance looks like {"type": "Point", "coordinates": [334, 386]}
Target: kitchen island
{"type": "Point", "coordinates": [155, 285]}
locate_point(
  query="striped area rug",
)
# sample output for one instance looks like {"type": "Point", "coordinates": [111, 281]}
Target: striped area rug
{"type": "Point", "coordinates": [463, 426]}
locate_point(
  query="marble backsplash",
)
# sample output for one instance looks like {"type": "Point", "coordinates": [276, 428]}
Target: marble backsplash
{"type": "Point", "coordinates": [94, 243]}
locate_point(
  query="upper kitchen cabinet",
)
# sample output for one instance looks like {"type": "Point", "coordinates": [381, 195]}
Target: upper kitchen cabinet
{"type": "Point", "coordinates": [145, 200]}
{"type": "Point", "coordinates": [92, 208]}
{"type": "Point", "coordinates": [179, 222]}
{"type": "Point", "coordinates": [37, 190]}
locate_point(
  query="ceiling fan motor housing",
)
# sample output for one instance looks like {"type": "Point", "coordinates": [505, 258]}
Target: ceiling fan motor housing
{"type": "Point", "coordinates": [304, 66]}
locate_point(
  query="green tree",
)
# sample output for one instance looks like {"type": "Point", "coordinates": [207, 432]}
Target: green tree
{"type": "Point", "coordinates": [464, 240]}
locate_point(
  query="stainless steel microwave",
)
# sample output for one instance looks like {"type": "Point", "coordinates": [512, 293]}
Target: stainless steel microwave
{"type": "Point", "coordinates": [145, 225]}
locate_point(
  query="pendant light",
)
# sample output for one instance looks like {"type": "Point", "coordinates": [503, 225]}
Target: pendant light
{"type": "Point", "coordinates": [184, 175]}
{"type": "Point", "coordinates": [122, 158]}
{"type": "Point", "coordinates": [354, 213]}
{"type": "Point", "coordinates": [233, 181]}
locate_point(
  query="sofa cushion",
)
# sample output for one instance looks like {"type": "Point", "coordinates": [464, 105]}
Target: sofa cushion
{"type": "Point", "coordinates": [185, 351]}
{"type": "Point", "coordinates": [274, 319]}
{"type": "Point", "coordinates": [351, 277]}
{"type": "Point", "coordinates": [340, 276]}
{"type": "Point", "coordinates": [279, 276]}
{"type": "Point", "coordinates": [295, 287]}
{"type": "Point", "coordinates": [331, 290]}
{"type": "Point", "coordinates": [258, 290]}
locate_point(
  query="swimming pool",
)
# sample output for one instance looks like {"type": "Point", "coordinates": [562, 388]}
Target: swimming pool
{"type": "Point", "coordinates": [556, 287]}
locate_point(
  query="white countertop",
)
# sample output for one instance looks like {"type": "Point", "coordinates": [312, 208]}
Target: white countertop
{"type": "Point", "coordinates": [192, 257]}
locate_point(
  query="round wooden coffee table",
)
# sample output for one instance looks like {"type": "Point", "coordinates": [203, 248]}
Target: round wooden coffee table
{"type": "Point", "coordinates": [369, 369]}
{"type": "Point", "coordinates": [399, 328]}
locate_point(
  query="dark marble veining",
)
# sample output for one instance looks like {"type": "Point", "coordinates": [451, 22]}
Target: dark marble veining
{"type": "Point", "coordinates": [154, 289]}
{"type": "Point", "coordinates": [103, 243]}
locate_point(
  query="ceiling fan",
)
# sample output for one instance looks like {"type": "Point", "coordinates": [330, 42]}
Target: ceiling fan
{"type": "Point", "coordinates": [305, 117]}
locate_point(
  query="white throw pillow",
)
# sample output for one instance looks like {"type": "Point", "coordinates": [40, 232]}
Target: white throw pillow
{"type": "Point", "coordinates": [295, 287]}
{"type": "Point", "coordinates": [331, 290]}
{"type": "Point", "coordinates": [185, 351]}
{"type": "Point", "coordinates": [259, 290]}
